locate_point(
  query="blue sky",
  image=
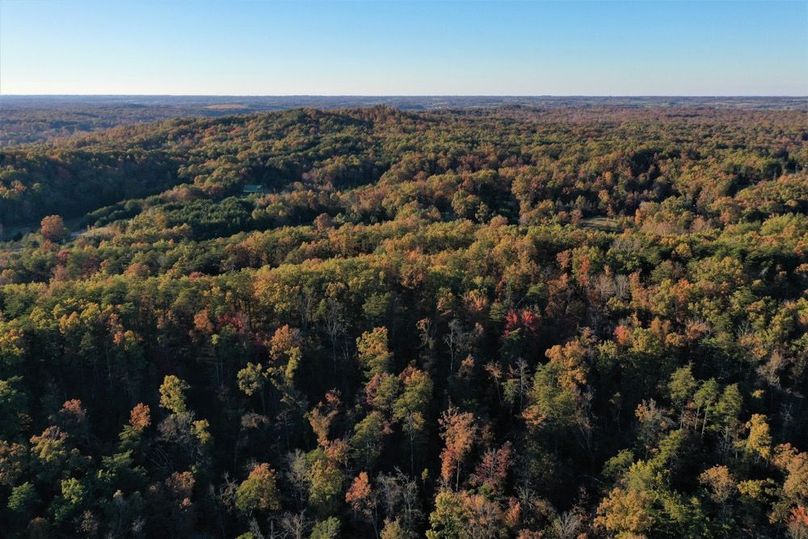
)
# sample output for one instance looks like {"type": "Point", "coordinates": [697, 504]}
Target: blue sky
{"type": "Point", "coordinates": [382, 47]}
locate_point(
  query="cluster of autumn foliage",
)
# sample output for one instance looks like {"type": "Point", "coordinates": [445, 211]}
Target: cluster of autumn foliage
{"type": "Point", "coordinates": [472, 324]}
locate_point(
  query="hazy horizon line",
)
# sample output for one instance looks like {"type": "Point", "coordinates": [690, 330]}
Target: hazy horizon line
{"type": "Point", "coordinates": [417, 95]}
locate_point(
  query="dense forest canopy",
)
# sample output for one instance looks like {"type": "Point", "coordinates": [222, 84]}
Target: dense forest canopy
{"type": "Point", "coordinates": [488, 322]}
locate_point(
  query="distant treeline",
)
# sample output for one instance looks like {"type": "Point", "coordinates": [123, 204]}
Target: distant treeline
{"type": "Point", "coordinates": [26, 119]}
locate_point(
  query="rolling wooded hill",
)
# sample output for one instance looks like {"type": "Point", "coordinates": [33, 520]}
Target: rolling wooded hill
{"type": "Point", "coordinates": [505, 321]}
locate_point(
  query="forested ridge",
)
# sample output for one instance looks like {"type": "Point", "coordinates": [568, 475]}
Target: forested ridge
{"type": "Point", "coordinates": [513, 322]}
{"type": "Point", "coordinates": [26, 119]}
